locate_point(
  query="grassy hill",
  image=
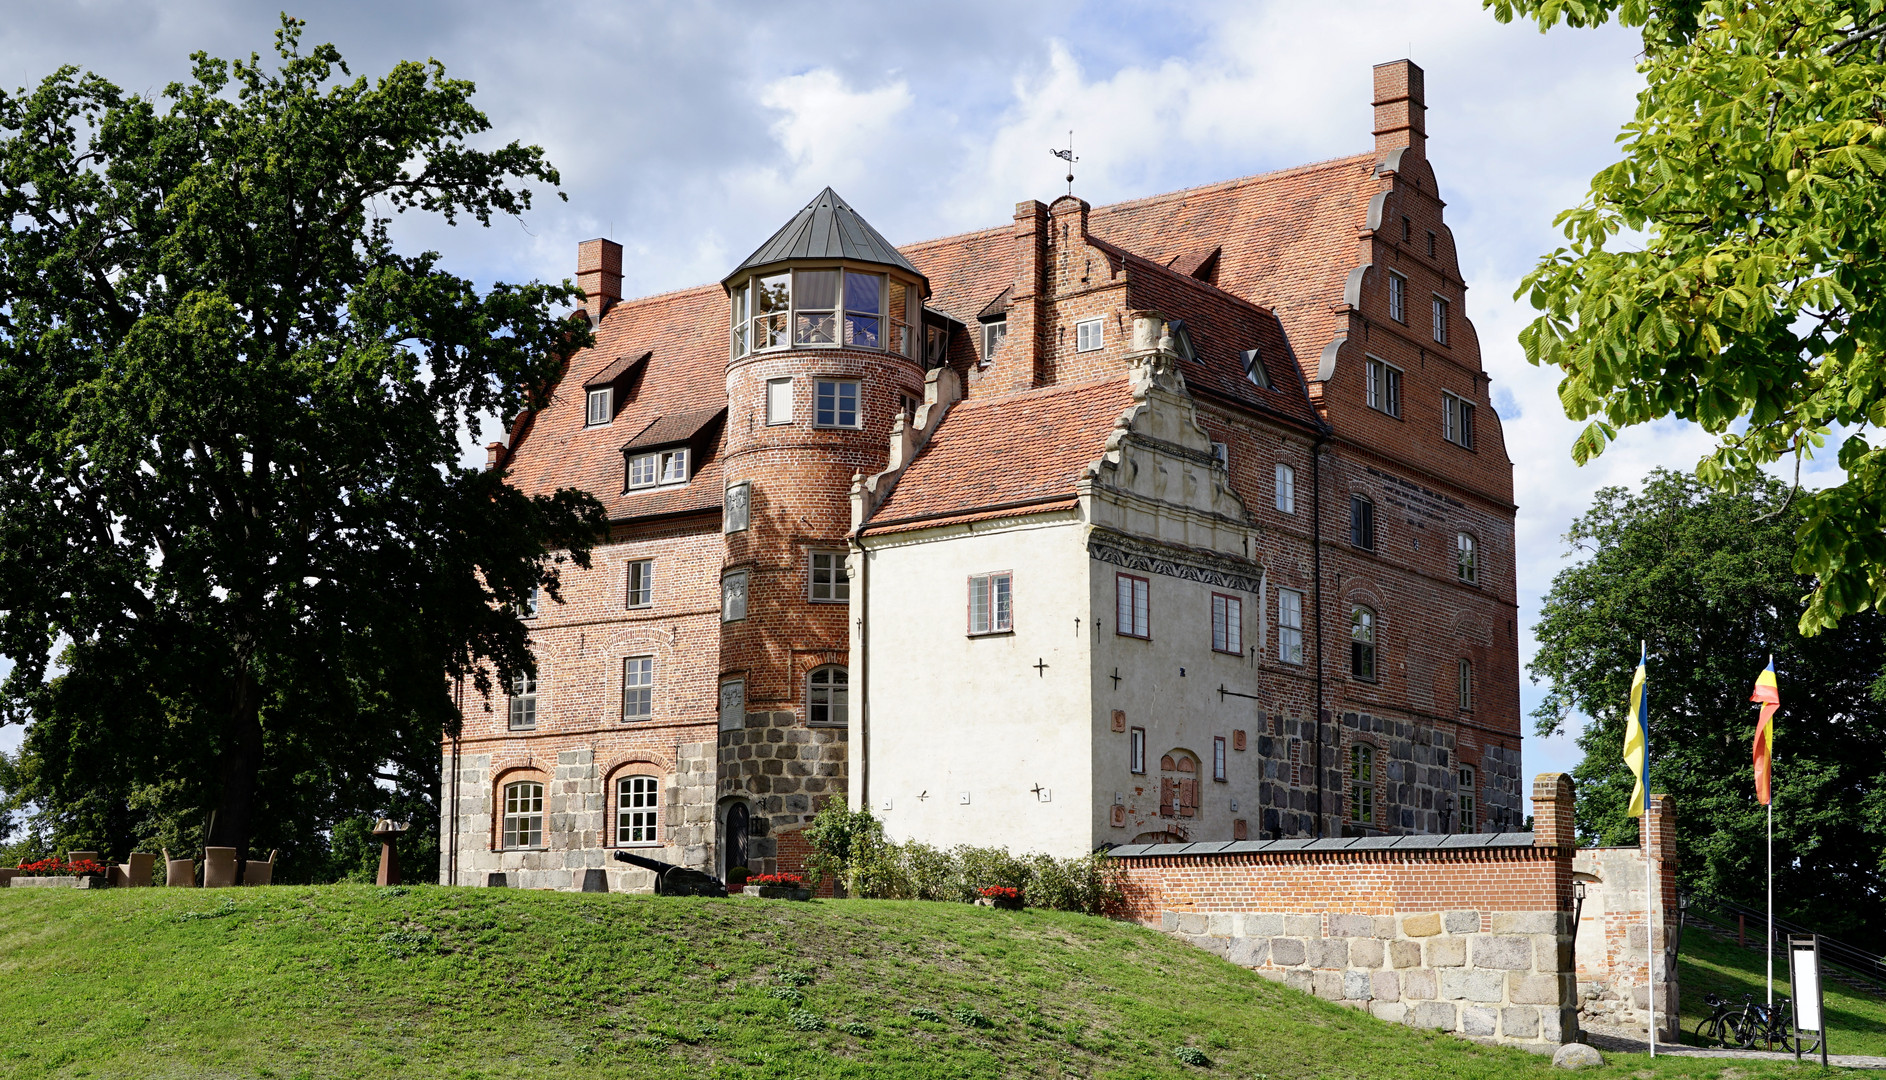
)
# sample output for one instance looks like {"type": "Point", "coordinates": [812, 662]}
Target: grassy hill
{"type": "Point", "coordinates": [1713, 963]}
{"type": "Point", "coordinates": [352, 981]}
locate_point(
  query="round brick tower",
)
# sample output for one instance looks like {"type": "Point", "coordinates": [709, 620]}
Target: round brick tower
{"type": "Point", "coordinates": [827, 349]}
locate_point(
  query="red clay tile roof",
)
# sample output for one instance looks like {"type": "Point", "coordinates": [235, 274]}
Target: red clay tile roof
{"type": "Point", "coordinates": [1014, 448]}
{"type": "Point", "coordinates": [1286, 240]}
{"type": "Point", "coordinates": [685, 336]}
{"type": "Point", "coordinates": [614, 372]}
{"type": "Point", "coordinates": [675, 428]}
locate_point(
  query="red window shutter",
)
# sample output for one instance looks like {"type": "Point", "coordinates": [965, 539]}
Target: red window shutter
{"type": "Point", "coordinates": [1239, 831]}
{"type": "Point", "coordinates": [1168, 797]}
{"type": "Point", "coordinates": [1165, 763]}
{"type": "Point", "coordinates": [1188, 797]}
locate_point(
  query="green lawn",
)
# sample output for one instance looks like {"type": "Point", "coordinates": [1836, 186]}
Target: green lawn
{"type": "Point", "coordinates": [1709, 964]}
{"type": "Point", "coordinates": [352, 981]}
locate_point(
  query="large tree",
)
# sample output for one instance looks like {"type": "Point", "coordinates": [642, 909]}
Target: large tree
{"type": "Point", "coordinates": [1730, 269]}
{"type": "Point", "coordinates": [1705, 580]}
{"type": "Point", "coordinates": [239, 560]}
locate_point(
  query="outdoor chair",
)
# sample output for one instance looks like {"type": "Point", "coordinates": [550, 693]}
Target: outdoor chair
{"type": "Point", "coordinates": [258, 872]}
{"type": "Point", "coordinates": [179, 873]}
{"type": "Point", "coordinates": [81, 856]}
{"type": "Point", "coordinates": [219, 867]}
{"type": "Point", "coordinates": [135, 874]}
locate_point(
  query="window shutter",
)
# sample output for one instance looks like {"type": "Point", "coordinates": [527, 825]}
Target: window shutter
{"type": "Point", "coordinates": [1188, 798]}
{"type": "Point", "coordinates": [1168, 797]}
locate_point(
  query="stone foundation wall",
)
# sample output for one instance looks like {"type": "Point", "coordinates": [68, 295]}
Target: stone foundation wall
{"type": "Point", "coordinates": [786, 772]}
{"type": "Point", "coordinates": [1500, 976]}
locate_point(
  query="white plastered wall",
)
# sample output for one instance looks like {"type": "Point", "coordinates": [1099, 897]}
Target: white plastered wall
{"type": "Point", "coordinates": [952, 714]}
{"type": "Point", "coordinates": [1168, 685]}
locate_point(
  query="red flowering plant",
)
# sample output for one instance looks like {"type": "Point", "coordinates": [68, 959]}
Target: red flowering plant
{"type": "Point", "coordinates": [53, 866]}
{"type": "Point", "coordinates": [1002, 892]}
{"type": "Point", "coordinates": [777, 881]}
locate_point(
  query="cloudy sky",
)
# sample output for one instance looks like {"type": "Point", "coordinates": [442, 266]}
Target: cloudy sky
{"type": "Point", "coordinates": [688, 132]}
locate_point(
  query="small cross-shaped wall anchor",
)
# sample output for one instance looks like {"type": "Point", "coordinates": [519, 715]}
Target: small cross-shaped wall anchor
{"type": "Point", "coordinates": [922, 795]}
{"type": "Point", "coordinates": [1042, 794]}
{"type": "Point", "coordinates": [1116, 678]}
{"type": "Point", "coordinates": [1041, 667]}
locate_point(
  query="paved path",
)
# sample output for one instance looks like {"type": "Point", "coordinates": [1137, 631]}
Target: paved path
{"type": "Point", "coordinates": [1625, 1042]}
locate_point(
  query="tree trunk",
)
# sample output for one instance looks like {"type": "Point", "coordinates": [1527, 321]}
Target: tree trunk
{"type": "Point", "coordinates": [242, 760]}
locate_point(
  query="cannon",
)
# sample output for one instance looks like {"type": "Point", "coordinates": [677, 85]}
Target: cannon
{"type": "Point", "coordinates": [672, 880]}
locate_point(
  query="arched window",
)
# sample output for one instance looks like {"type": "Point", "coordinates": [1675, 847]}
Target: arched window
{"type": "Point", "coordinates": [524, 814]}
{"type": "Point", "coordinates": [638, 810]}
{"type": "Point", "coordinates": [1466, 558]}
{"type": "Point", "coordinates": [1362, 643]}
{"type": "Point", "coordinates": [1464, 684]}
{"type": "Point", "coordinates": [1178, 784]}
{"type": "Point", "coordinates": [739, 828]}
{"type": "Point", "coordinates": [1362, 782]}
{"type": "Point", "coordinates": [1286, 489]}
{"type": "Point", "coordinates": [1469, 804]}
{"type": "Point", "coordinates": [828, 696]}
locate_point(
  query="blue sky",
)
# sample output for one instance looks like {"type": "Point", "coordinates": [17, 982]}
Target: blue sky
{"type": "Point", "coordinates": [688, 132]}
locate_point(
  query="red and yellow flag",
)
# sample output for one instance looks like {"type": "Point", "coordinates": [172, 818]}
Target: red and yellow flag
{"type": "Point", "coordinates": [1769, 694]}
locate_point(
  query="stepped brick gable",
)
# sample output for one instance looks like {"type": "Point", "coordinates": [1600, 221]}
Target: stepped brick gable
{"type": "Point", "coordinates": [1184, 519]}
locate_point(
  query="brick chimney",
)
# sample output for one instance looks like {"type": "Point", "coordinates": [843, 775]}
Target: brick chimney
{"type": "Point", "coordinates": [1400, 109]}
{"type": "Point", "coordinates": [1014, 368]}
{"type": "Point", "coordinates": [599, 275]}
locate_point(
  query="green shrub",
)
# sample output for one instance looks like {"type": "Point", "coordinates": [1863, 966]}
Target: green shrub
{"type": "Point", "coordinates": [969, 1017]}
{"type": "Point", "coordinates": [853, 1027]}
{"type": "Point", "coordinates": [1191, 1055]}
{"type": "Point", "coordinates": [805, 1021]}
{"type": "Point", "coordinates": [924, 1012]}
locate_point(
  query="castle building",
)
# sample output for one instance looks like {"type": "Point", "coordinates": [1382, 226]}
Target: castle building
{"type": "Point", "coordinates": [1185, 518]}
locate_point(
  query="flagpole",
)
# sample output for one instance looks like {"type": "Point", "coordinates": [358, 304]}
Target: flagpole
{"type": "Point", "coordinates": [1650, 889]}
{"type": "Point", "coordinates": [1771, 897]}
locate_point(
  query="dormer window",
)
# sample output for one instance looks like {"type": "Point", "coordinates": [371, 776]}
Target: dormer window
{"type": "Point", "coordinates": [658, 468]}
{"type": "Point", "coordinates": [601, 407]}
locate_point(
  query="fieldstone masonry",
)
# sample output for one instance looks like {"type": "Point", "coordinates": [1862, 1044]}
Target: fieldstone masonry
{"type": "Point", "coordinates": [786, 771]}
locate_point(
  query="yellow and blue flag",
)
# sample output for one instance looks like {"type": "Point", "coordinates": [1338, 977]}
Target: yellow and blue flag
{"type": "Point", "coordinates": [1637, 735]}
{"type": "Point", "coordinates": [1769, 694]}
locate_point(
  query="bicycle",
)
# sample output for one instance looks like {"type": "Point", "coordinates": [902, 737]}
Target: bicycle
{"type": "Point", "coordinates": [1723, 1026]}
{"type": "Point", "coordinates": [1774, 1025]}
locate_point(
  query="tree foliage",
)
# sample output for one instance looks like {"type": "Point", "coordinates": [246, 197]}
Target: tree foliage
{"type": "Point", "coordinates": [1705, 580]}
{"type": "Point", "coordinates": [1730, 270]}
{"type": "Point", "coordinates": [230, 425]}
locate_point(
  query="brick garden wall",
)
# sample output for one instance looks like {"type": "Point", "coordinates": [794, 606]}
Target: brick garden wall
{"type": "Point", "coordinates": [1470, 934]}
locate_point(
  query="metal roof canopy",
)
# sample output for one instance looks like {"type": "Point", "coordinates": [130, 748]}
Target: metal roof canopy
{"type": "Point", "coordinates": [828, 228]}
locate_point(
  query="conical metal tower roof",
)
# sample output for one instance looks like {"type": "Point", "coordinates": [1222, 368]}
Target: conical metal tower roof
{"type": "Point", "coordinates": [828, 228]}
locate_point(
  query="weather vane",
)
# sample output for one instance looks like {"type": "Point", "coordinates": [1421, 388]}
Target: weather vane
{"type": "Point", "coordinates": [1068, 156]}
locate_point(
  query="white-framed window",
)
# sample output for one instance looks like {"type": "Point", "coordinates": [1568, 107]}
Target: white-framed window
{"type": "Point", "coordinates": [733, 596]}
{"type": "Point", "coordinates": [1457, 420]}
{"type": "Point", "coordinates": [1440, 319]}
{"type": "Point", "coordinates": [739, 300]}
{"type": "Point", "coordinates": [1384, 386]}
{"type": "Point", "coordinates": [1130, 610]}
{"type": "Point", "coordinates": [828, 696]}
{"type": "Point", "coordinates": [601, 407]}
{"type": "Point", "coordinates": [1466, 558]}
{"type": "Point", "coordinates": [1286, 490]}
{"type": "Point", "coordinates": [659, 468]}
{"type": "Point", "coordinates": [1464, 684]}
{"type": "Point", "coordinates": [531, 607]}
{"type": "Point", "coordinates": [1362, 643]}
{"type": "Point", "coordinates": [815, 307]}
{"type": "Point", "coordinates": [738, 512]}
{"type": "Point", "coordinates": [1290, 626]}
{"type": "Point", "coordinates": [641, 583]}
{"type": "Point", "coordinates": [1218, 758]}
{"type": "Point", "coordinates": [638, 688]}
{"type": "Point", "coordinates": [523, 701]}
{"type": "Point", "coordinates": [991, 603]}
{"type": "Point", "coordinates": [1362, 782]}
{"type": "Point", "coordinates": [1089, 334]}
{"type": "Point", "coordinates": [1254, 369]}
{"type": "Point", "coordinates": [864, 310]}
{"type": "Point", "coordinates": [779, 401]}
{"type": "Point", "coordinates": [994, 333]}
{"type": "Point", "coordinates": [835, 403]}
{"type": "Point", "coordinates": [829, 583]}
{"type": "Point", "coordinates": [1227, 624]}
{"type": "Point", "coordinates": [638, 810]}
{"type": "Point", "coordinates": [1221, 453]}
{"type": "Point", "coordinates": [1397, 297]}
{"type": "Point", "coordinates": [1136, 751]}
{"type": "Point", "coordinates": [524, 814]}
{"type": "Point", "coordinates": [1468, 802]}
{"type": "Point", "coordinates": [1362, 522]}
{"type": "Point", "coordinates": [772, 306]}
